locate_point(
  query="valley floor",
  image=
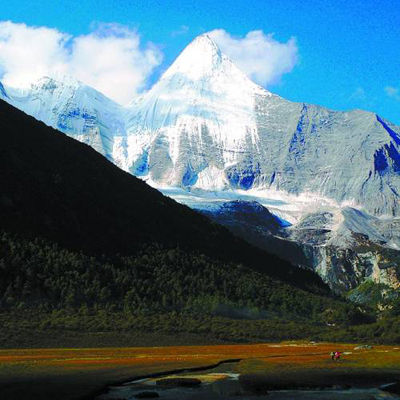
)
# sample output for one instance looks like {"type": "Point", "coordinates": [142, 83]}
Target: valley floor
{"type": "Point", "coordinates": [86, 373]}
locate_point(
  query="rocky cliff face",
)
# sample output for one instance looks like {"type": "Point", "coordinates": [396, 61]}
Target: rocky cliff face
{"type": "Point", "coordinates": [344, 258]}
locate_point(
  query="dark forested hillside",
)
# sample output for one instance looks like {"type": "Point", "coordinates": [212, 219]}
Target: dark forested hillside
{"type": "Point", "coordinates": [46, 290]}
{"type": "Point", "coordinates": [40, 274]}
{"type": "Point", "coordinates": [55, 187]}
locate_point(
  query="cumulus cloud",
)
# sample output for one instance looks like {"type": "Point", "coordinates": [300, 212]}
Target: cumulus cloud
{"type": "Point", "coordinates": [111, 58]}
{"type": "Point", "coordinates": [27, 53]}
{"type": "Point", "coordinates": [259, 55]}
{"type": "Point", "coordinates": [393, 92]}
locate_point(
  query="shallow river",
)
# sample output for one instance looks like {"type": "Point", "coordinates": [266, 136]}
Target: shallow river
{"type": "Point", "coordinates": [223, 383]}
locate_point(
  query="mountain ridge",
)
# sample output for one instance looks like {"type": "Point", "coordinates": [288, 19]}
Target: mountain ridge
{"type": "Point", "coordinates": [236, 129]}
{"type": "Point", "coordinates": [253, 139]}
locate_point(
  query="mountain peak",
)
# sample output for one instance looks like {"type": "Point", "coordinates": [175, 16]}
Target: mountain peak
{"type": "Point", "coordinates": [202, 57]}
{"type": "Point", "coordinates": [204, 42]}
{"type": "Point", "coordinates": [203, 86]}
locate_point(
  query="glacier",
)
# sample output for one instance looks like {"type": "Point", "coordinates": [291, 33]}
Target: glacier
{"type": "Point", "coordinates": [206, 135]}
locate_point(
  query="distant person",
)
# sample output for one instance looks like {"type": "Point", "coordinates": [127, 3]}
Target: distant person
{"type": "Point", "coordinates": [337, 355]}
{"type": "Point", "coordinates": [333, 355]}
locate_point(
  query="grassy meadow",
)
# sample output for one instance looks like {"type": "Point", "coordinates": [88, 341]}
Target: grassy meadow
{"type": "Point", "coordinates": [83, 373]}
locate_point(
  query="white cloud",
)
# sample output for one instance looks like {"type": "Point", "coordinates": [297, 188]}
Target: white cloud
{"type": "Point", "coordinates": [111, 58]}
{"type": "Point", "coordinates": [27, 53]}
{"type": "Point", "coordinates": [393, 92]}
{"type": "Point", "coordinates": [259, 55]}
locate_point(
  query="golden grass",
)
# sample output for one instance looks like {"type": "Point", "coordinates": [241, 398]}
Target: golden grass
{"type": "Point", "coordinates": [76, 373]}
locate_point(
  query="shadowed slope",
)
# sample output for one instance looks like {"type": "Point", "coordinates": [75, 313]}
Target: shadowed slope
{"type": "Point", "coordinates": [58, 188]}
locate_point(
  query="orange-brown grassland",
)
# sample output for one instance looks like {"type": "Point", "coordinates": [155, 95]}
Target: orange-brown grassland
{"type": "Point", "coordinates": [86, 373]}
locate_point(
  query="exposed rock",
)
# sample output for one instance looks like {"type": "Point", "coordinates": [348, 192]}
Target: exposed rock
{"type": "Point", "coordinates": [322, 241]}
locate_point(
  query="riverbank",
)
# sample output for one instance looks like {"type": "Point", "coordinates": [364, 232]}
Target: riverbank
{"type": "Point", "coordinates": [85, 373]}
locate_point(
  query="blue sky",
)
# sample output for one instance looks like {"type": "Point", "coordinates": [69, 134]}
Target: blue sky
{"type": "Point", "coordinates": [348, 52]}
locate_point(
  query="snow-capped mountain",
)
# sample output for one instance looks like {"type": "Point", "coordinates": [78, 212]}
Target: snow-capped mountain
{"type": "Point", "coordinates": [73, 108]}
{"type": "Point", "coordinates": [206, 125]}
{"type": "Point", "coordinates": [334, 176]}
{"type": "Point", "coordinates": [191, 126]}
{"type": "Point", "coordinates": [205, 134]}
